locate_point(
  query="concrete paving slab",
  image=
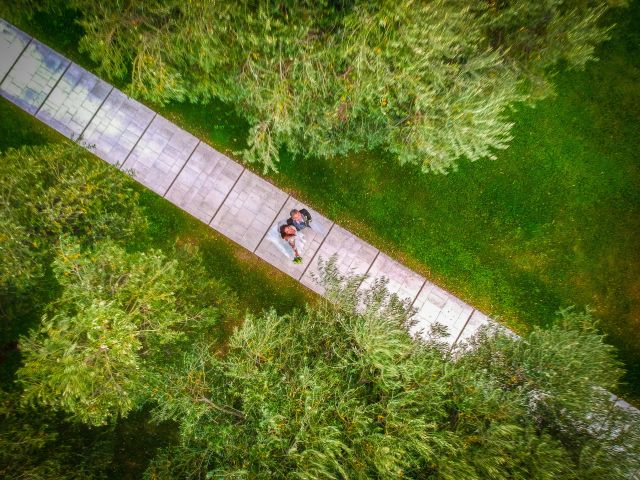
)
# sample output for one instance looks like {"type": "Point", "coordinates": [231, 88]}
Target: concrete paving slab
{"type": "Point", "coordinates": [116, 127]}
{"type": "Point", "coordinates": [354, 255]}
{"type": "Point", "coordinates": [74, 101]}
{"type": "Point", "coordinates": [249, 210]}
{"type": "Point", "coordinates": [204, 182]}
{"type": "Point", "coordinates": [402, 281]}
{"type": "Point", "coordinates": [160, 154]}
{"type": "Point", "coordinates": [476, 321]}
{"type": "Point", "coordinates": [12, 43]}
{"type": "Point", "coordinates": [278, 252]}
{"type": "Point", "coordinates": [433, 304]}
{"type": "Point", "coordinates": [33, 76]}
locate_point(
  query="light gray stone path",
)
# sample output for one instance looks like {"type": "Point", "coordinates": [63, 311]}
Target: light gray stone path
{"type": "Point", "coordinates": [204, 183]}
{"type": "Point", "coordinates": [33, 76]}
{"type": "Point", "coordinates": [402, 281]}
{"type": "Point", "coordinates": [74, 101]}
{"type": "Point", "coordinates": [435, 305]}
{"type": "Point", "coordinates": [249, 210]}
{"type": "Point", "coordinates": [160, 154]}
{"type": "Point", "coordinates": [477, 320]}
{"type": "Point", "coordinates": [354, 255]}
{"type": "Point", "coordinates": [278, 252]}
{"type": "Point", "coordinates": [12, 43]}
{"type": "Point", "coordinates": [116, 127]}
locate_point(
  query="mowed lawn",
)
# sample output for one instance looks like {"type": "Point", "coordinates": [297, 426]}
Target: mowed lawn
{"type": "Point", "coordinates": [553, 222]}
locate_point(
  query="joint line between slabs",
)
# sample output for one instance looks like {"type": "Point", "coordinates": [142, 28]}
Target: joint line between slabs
{"type": "Point", "coordinates": [182, 168]}
{"type": "Point", "coordinates": [462, 329]}
{"type": "Point", "coordinates": [418, 294]}
{"type": "Point", "coordinates": [54, 87]}
{"type": "Point", "coordinates": [274, 219]}
{"type": "Point", "coordinates": [17, 59]}
{"type": "Point", "coordinates": [317, 251]}
{"type": "Point", "coordinates": [370, 265]}
{"type": "Point", "coordinates": [244, 169]}
{"type": "Point", "coordinates": [155, 114]}
{"type": "Point", "coordinates": [79, 139]}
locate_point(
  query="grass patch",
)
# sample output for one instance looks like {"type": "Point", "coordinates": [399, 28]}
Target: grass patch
{"type": "Point", "coordinates": [552, 222]}
{"type": "Point", "coordinates": [18, 128]}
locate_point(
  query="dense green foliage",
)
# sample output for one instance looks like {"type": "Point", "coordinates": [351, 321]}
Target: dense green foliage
{"type": "Point", "coordinates": [551, 222]}
{"type": "Point", "coordinates": [35, 441]}
{"type": "Point", "coordinates": [428, 81]}
{"type": "Point", "coordinates": [331, 392]}
{"type": "Point", "coordinates": [38, 444]}
{"type": "Point", "coordinates": [559, 375]}
{"type": "Point", "coordinates": [46, 192]}
{"type": "Point", "coordinates": [552, 438]}
{"type": "Point", "coordinates": [325, 391]}
{"type": "Point", "coordinates": [118, 315]}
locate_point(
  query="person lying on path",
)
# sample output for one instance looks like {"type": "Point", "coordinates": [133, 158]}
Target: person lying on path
{"type": "Point", "coordinates": [299, 219]}
{"type": "Point", "coordinates": [288, 234]}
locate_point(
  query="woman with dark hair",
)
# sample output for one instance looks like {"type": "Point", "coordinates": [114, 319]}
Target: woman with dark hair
{"type": "Point", "coordinates": [288, 234]}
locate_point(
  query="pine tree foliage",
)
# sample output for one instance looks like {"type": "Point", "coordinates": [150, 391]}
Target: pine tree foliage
{"type": "Point", "coordinates": [37, 445]}
{"type": "Point", "coordinates": [120, 316]}
{"type": "Point", "coordinates": [561, 374]}
{"type": "Point", "coordinates": [343, 391]}
{"type": "Point", "coordinates": [48, 191]}
{"type": "Point", "coordinates": [536, 37]}
{"type": "Point", "coordinates": [429, 81]}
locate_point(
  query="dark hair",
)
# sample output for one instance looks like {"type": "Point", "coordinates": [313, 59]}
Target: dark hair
{"type": "Point", "coordinates": [282, 232]}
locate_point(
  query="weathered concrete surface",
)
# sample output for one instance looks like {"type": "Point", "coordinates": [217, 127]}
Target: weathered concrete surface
{"type": "Point", "coordinates": [353, 255]}
{"type": "Point", "coordinates": [33, 76]}
{"type": "Point", "coordinates": [160, 155]}
{"type": "Point", "coordinates": [249, 210]}
{"type": "Point", "coordinates": [402, 281]}
{"type": "Point", "coordinates": [117, 127]}
{"type": "Point", "coordinates": [204, 182]}
{"type": "Point", "coordinates": [476, 321]}
{"type": "Point", "coordinates": [74, 101]}
{"type": "Point", "coordinates": [12, 43]}
{"type": "Point", "coordinates": [433, 304]}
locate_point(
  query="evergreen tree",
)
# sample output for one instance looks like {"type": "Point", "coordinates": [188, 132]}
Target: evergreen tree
{"type": "Point", "coordinates": [343, 391]}
{"type": "Point", "coordinates": [37, 444]}
{"type": "Point", "coordinates": [429, 81]}
{"type": "Point", "coordinates": [52, 190]}
{"type": "Point", "coordinates": [121, 317]}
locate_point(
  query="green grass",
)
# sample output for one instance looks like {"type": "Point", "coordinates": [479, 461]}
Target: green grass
{"type": "Point", "coordinates": [552, 222]}
{"type": "Point", "coordinates": [18, 128]}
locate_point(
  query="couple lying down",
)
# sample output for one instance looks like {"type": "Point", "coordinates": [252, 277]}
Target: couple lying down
{"type": "Point", "coordinates": [299, 220]}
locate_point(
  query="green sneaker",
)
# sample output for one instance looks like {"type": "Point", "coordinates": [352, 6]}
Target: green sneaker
{"type": "Point", "coordinates": [297, 260]}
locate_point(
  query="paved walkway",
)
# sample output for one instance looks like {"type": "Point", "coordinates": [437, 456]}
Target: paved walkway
{"type": "Point", "coordinates": [202, 181]}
